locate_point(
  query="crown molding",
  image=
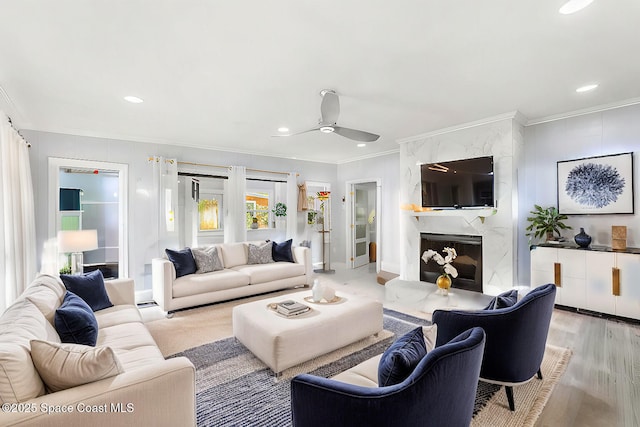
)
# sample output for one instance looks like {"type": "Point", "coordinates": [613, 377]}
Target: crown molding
{"type": "Point", "coordinates": [591, 110]}
{"type": "Point", "coordinates": [513, 115]}
{"type": "Point", "coordinates": [9, 107]}
{"type": "Point", "coordinates": [369, 156]}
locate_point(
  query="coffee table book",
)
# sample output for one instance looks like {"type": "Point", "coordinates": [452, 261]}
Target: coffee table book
{"type": "Point", "coordinates": [291, 308]}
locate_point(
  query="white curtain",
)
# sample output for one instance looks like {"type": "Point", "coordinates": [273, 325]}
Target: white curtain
{"type": "Point", "coordinates": [165, 200]}
{"type": "Point", "coordinates": [17, 215]}
{"type": "Point", "coordinates": [235, 227]}
{"type": "Point", "coordinates": [292, 200]}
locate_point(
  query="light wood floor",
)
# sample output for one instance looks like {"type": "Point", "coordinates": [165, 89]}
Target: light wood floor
{"type": "Point", "coordinates": [601, 386]}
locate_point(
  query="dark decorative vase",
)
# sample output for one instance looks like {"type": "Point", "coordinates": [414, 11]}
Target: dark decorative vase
{"type": "Point", "coordinates": [582, 239]}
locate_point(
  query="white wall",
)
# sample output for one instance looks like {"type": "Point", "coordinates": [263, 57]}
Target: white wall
{"type": "Point", "coordinates": [142, 238]}
{"type": "Point", "coordinates": [608, 132]}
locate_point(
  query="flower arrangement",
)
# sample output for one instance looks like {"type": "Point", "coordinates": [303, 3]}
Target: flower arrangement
{"type": "Point", "coordinates": [445, 262]}
{"type": "Point", "coordinates": [323, 195]}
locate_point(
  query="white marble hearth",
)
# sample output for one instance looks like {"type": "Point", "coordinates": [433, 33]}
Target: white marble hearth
{"type": "Point", "coordinates": [424, 297]}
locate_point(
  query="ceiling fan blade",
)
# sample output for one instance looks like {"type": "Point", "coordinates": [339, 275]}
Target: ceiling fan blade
{"type": "Point", "coordinates": [330, 107]}
{"type": "Point", "coordinates": [356, 135]}
{"type": "Point", "coordinates": [297, 133]}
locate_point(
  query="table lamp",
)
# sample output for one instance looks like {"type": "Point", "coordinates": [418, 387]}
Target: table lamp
{"type": "Point", "coordinates": [76, 242]}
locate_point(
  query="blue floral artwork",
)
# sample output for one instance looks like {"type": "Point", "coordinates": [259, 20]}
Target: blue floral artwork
{"type": "Point", "coordinates": [594, 185]}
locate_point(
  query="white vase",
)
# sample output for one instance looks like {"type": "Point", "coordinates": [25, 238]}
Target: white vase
{"type": "Point", "coordinates": [317, 291]}
{"type": "Point", "coordinates": [329, 293]}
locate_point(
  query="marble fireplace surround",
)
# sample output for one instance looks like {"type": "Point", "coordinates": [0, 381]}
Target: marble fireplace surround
{"type": "Point", "coordinates": [501, 137]}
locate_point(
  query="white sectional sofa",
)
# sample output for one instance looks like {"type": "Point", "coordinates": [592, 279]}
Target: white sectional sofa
{"type": "Point", "coordinates": [151, 391]}
{"type": "Point", "coordinates": [236, 279]}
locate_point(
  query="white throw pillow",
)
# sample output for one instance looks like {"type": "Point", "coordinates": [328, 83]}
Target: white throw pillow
{"type": "Point", "coordinates": [430, 334]}
{"type": "Point", "coordinates": [63, 365]}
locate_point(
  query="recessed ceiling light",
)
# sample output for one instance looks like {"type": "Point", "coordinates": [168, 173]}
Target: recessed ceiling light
{"type": "Point", "coordinates": [362, 145]}
{"type": "Point", "coordinates": [283, 129]}
{"type": "Point", "coordinates": [133, 99]}
{"type": "Point", "coordinates": [586, 88]}
{"type": "Point", "coordinates": [573, 6]}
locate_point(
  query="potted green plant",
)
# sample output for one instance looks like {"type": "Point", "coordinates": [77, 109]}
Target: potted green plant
{"type": "Point", "coordinates": [280, 209]}
{"type": "Point", "coordinates": [545, 222]}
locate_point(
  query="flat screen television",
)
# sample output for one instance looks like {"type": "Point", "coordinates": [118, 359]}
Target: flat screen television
{"type": "Point", "coordinates": [458, 184]}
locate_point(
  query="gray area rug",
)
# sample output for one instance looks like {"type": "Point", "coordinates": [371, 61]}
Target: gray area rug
{"type": "Point", "coordinates": [234, 388]}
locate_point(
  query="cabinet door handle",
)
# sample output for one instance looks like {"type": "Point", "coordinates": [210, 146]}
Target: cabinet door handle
{"type": "Point", "coordinates": [615, 281]}
{"type": "Point", "coordinates": [557, 274]}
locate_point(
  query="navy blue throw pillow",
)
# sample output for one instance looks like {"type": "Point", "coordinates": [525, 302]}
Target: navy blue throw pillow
{"type": "Point", "coordinates": [75, 322]}
{"type": "Point", "coordinates": [401, 358]}
{"type": "Point", "coordinates": [183, 261]}
{"type": "Point", "coordinates": [504, 300]}
{"type": "Point", "coordinates": [282, 251]}
{"type": "Point", "coordinates": [89, 287]}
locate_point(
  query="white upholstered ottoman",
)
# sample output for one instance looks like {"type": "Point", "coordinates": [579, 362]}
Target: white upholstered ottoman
{"type": "Point", "coordinates": [282, 342]}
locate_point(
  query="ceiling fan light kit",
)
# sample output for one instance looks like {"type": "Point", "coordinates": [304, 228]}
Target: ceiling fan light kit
{"type": "Point", "coordinates": [573, 6]}
{"type": "Point", "coordinates": [329, 113]}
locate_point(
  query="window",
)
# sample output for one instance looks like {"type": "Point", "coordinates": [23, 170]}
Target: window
{"type": "Point", "coordinates": [257, 205]}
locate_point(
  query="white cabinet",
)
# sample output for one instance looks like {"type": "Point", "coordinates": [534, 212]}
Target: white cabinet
{"type": "Point", "coordinates": [565, 268]}
{"type": "Point", "coordinates": [600, 296]}
{"type": "Point", "coordinates": [602, 281]}
{"type": "Point", "coordinates": [628, 303]}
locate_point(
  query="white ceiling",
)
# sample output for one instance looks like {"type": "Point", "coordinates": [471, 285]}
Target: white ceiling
{"type": "Point", "coordinates": [227, 74]}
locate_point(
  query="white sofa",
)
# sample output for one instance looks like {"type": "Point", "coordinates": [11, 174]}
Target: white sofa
{"type": "Point", "coordinates": [150, 391]}
{"type": "Point", "coordinates": [237, 278]}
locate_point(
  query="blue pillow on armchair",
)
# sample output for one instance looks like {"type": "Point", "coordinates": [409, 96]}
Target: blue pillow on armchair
{"type": "Point", "coordinates": [89, 287]}
{"type": "Point", "coordinates": [75, 322]}
{"type": "Point", "coordinates": [183, 261]}
{"type": "Point", "coordinates": [401, 358]}
{"type": "Point", "coordinates": [504, 300]}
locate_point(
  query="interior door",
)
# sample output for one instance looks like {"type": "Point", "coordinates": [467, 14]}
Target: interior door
{"type": "Point", "coordinates": [360, 228]}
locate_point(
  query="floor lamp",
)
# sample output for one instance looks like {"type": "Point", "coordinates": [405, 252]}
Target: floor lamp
{"type": "Point", "coordinates": [76, 242]}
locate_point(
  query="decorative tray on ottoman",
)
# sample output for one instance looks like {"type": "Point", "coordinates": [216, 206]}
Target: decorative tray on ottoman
{"type": "Point", "coordinates": [336, 300]}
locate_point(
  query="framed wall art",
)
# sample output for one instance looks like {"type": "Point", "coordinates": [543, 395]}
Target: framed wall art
{"type": "Point", "coordinates": [596, 185]}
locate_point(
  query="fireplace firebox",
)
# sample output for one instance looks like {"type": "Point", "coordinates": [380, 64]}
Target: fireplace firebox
{"type": "Point", "coordinates": [468, 262]}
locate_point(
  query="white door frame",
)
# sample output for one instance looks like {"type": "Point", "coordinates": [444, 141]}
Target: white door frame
{"type": "Point", "coordinates": [55, 163]}
{"type": "Point", "coordinates": [349, 231]}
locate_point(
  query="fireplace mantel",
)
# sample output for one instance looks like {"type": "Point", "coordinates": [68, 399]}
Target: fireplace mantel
{"type": "Point", "coordinates": [468, 214]}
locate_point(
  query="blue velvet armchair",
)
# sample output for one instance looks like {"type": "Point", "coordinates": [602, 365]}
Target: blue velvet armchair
{"type": "Point", "coordinates": [440, 391]}
{"type": "Point", "coordinates": [516, 337]}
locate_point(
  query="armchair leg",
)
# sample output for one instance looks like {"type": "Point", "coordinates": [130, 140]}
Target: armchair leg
{"type": "Point", "coordinates": [509, 390]}
{"type": "Point", "coordinates": [539, 374]}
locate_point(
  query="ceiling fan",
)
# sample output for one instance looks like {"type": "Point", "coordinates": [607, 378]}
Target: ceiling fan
{"type": "Point", "coordinates": [329, 112]}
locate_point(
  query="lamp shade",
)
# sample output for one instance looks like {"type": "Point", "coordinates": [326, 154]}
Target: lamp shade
{"type": "Point", "coordinates": [77, 240]}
